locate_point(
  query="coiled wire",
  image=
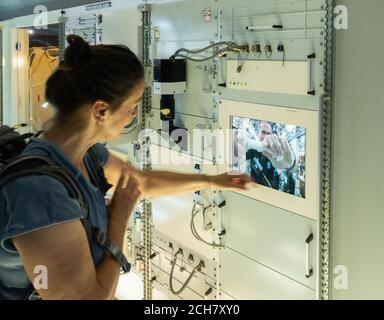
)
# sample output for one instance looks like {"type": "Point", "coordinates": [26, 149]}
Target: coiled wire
{"type": "Point", "coordinates": [197, 268]}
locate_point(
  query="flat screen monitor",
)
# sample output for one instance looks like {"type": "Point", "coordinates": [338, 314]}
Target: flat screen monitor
{"type": "Point", "coordinates": [271, 154]}
{"type": "Point", "coordinates": [278, 148]}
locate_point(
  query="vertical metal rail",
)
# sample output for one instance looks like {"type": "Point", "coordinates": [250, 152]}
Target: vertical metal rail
{"type": "Point", "coordinates": [1, 79]}
{"type": "Point", "coordinates": [327, 153]}
{"type": "Point", "coordinates": [145, 148]}
{"type": "Point", "coordinates": [62, 21]}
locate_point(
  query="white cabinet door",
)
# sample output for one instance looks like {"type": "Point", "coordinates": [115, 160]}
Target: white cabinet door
{"type": "Point", "coordinates": [271, 236]}
{"type": "Point", "coordinates": [242, 279]}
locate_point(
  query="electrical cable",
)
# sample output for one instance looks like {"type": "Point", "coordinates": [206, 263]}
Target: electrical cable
{"type": "Point", "coordinates": [195, 233]}
{"type": "Point", "coordinates": [197, 268]}
{"type": "Point", "coordinates": [218, 54]}
{"type": "Point", "coordinates": [230, 47]}
{"type": "Point", "coordinates": [193, 59]}
{"type": "Point", "coordinates": [200, 50]}
{"type": "Point", "coordinates": [240, 64]}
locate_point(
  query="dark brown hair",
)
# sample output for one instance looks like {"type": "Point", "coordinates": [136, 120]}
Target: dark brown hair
{"type": "Point", "coordinates": [90, 73]}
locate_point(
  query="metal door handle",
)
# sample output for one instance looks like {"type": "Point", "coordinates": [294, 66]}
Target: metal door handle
{"type": "Point", "coordinates": [308, 268]}
{"type": "Point", "coordinates": [311, 91]}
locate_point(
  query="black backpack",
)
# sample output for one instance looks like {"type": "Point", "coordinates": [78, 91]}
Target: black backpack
{"type": "Point", "coordinates": [13, 166]}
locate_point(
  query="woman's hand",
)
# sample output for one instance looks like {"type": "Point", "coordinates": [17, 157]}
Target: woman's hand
{"type": "Point", "coordinates": [124, 199]}
{"type": "Point", "coordinates": [230, 181]}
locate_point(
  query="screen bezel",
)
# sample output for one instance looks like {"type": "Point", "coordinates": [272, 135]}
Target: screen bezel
{"type": "Point", "coordinates": [308, 206]}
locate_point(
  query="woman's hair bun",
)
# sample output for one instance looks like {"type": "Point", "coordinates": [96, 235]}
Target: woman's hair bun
{"type": "Point", "coordinates": [77, 52]}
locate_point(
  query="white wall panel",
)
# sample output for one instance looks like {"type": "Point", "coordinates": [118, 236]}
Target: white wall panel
{"type": "Point", "coordinates": [245, 279]}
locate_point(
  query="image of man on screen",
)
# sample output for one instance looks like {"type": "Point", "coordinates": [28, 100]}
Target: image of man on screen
{"type": "Point", "coordinates": [277, 155]}
{"type": "Point", "coordinates": [266, 155]}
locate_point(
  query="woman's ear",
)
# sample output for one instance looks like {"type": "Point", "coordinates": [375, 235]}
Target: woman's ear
{"type": "Point", "coordinates": [100, 110]}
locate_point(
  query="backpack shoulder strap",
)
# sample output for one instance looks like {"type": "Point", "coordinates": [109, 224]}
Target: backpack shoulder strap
{"type": "Point", "coordinates": [38, 165]}
{"type": "Point", "coordinates": [99, 235]}
{"type": "Point", "coordinates": [102, 181]}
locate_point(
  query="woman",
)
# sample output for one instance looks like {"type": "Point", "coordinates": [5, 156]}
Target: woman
{"type": "Point", "coordinates": [95, 91]}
